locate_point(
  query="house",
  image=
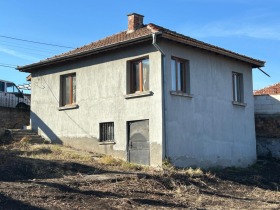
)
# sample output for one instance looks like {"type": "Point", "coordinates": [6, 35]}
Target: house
{"type": "Point", "coordinates": [267, 120]}
{"type": "Point", "coordinates": [148, 93]}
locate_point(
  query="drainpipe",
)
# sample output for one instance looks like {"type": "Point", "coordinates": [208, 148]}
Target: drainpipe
{"type": "Point", "coordinates": [163, 59]}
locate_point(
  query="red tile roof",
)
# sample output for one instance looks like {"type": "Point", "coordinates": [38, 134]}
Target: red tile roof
{"type": "Point", "coordinates": [110, 40]}
{"type": "Point", "coordinates": [270, 90]}
{"type": "Point", "coordinates": [142, 34]}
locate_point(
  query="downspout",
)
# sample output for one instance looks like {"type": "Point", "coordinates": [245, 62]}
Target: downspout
{"type": "Point", "coordinates": [163, 90]}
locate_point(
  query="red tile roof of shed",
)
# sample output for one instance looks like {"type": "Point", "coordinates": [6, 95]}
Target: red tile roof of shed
{"type": "Point", "coordinates": [270, 90]}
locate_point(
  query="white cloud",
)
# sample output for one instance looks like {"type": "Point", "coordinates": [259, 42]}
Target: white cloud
{"type": "Point", "coordinates": [18, 54]}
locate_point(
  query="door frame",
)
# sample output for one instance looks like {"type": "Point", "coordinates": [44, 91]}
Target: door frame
{"type": "Point", "coordinates": [127, 138]}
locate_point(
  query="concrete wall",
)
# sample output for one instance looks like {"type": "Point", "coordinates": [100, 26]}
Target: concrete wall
{"type": "Point", "coordinates": [267, 104]}
{"type": "Point", "coordinates": [207, 129]}
{"type": "Point", "coordinates": [14, 118]}
{"type": "Point", "coordinates": [101, 87]}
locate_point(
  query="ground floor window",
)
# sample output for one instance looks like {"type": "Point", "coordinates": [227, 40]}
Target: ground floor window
{"type": "Point", "coordinates": [106, 131]}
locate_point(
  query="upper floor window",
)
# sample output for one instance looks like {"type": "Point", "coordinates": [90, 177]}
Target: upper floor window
{"type": "Point", "coordinates": [237, 84]}
{"type": "Point", "coordinates": [180, 75]}
{"type": "Point", "coordinates": [139, 75]}
{"type": "Point", "coordinates": [68, 89]}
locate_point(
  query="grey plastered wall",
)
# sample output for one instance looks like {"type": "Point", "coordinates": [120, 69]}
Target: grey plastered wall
{"type": "Point", "coordinates": [101, 86]}
{"type": "Point", "coordinates": [207, 129]}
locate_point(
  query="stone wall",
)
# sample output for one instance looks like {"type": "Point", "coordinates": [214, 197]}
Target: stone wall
{"type": "Point", "coordinates": [14, 118]}
{"type": "Point", "coordinates": [268, 135]}
{"type": "Point", "coordinates": [267, 125]}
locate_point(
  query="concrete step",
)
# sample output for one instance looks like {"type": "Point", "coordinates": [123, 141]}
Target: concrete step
{"type": "Point", "coordinates": [23, 135]}
{"type": "Point", "coordinates": [21, 130]}
{"type": "Point", "coordinates": [32, 137]}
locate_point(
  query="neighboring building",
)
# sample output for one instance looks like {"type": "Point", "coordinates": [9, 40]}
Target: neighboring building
{"type": "Point", "coordinates": [267, 120]}
{"type": "Point", "coordinates": [12, 97]}
{"type": "Point", "coordinates": [14, 106]}
{"type": "Point", "coordinates": [148, 93]}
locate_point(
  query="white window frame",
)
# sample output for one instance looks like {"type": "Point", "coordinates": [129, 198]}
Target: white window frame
{"type": "Point", "coordinates": [180, 78]}
{"type": "Point", "coordinates": [237, 87]}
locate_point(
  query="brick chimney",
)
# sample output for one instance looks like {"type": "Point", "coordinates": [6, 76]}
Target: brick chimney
{"type": "Point", "coordinates": [135, 21]}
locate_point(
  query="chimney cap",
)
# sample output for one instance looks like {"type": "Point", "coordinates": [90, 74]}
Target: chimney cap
{"type": "Point", "coordinates": [135, 14]}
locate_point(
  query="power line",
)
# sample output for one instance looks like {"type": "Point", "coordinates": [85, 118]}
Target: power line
{"type": "Point", "coordinates": [7, 66]}
{"type": "Point", "coordinates": [36, 49]}
{"type": "Point", "coordinates": [25, 40]}
{"type": "Point", "coordinates": [26, 44]}
{"type": "Point", "coordinates": [31, 51]}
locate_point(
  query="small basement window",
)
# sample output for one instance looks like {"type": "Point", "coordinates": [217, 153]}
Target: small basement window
{"type": "Point", "coordinates": [106, 131]}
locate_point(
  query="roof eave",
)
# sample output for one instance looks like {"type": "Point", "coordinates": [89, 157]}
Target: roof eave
{"type": "Point", "coordinates": [254, 62]}
{"type": "Point", "coordinates": [29, 68]}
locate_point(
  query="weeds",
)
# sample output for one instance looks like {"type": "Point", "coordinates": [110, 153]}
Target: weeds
{"type": "Point", "coordinates": [110, 161]}
{"type": "Point", "coordinates": [168, 167]}
{"type": "Point", "coordinates": [53, 152]}
{"type": "Point", "coordinates": [193, 172]}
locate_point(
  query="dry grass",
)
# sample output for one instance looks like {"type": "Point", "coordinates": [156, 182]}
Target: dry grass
{"type": "Point", "coordinates": [190, 172]}
{"type": "Point", "coordinates": [110, 161]}
{"type": "Point", "coordinates": [197, 172]}
{"type": "Point", "coordinates": [54, 152]}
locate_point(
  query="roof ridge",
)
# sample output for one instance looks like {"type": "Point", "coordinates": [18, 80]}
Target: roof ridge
{"type": "Point", "coordinates": [142, 34]}
{"type": "Point", "coordinates": [85, 45]}
{"type": "Point", "coordinates": [207, 44]}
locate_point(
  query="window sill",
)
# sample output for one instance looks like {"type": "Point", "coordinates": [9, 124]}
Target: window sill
{"type": "Point", "coordinates": [106, 142]}
{"type": "Point", "coordinates": [72, 106]}
{"type": "Point", "coordinates": [138, 94]}
{"type": "Point", "coordinates": [239, 103]}
{"type": "Point", "coordinates": [176, 93]}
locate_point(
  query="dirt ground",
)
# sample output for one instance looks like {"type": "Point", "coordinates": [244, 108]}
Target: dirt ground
{"type": "Point", "coordinates": [56, 177]}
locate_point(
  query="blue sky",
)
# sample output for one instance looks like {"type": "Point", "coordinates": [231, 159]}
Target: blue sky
{"type": "Point", "coordinates": [249, 27]}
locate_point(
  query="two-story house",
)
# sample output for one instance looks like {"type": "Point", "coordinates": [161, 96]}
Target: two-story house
{"type": "Point", "coordinates": [148, 93]}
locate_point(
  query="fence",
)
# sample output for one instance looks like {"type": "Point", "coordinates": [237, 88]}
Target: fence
{"type": "Point", "coordinates": [15, 100]}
